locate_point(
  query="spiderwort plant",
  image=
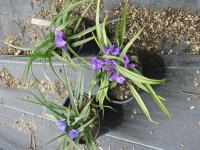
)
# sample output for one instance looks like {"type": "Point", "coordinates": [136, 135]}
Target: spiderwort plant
{"type": "Point", "coordinates": [77, 120]}
{"type": "Point", "coordinates": [66, 33]}
{"type": "Point", "coordinates": [113, 66]}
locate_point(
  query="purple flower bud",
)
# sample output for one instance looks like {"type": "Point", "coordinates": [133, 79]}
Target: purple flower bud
{"type": "Point", "coordinates": [52, 29]}
{"type": "Point", "coordinates": [60, 43]}
{"type": "Point", "coordinates": [116, 77]}
{"type": "Point", "coordinates": [97, 64]}
{"type": "Point", "coordinates": [120, 79]}
{"type": "Point", "coordinates": [61, 125]}
{"type": "Point", "coordinates": [107, 51]}
{"type": "Point", "coordinates": [126, 61]}
{"type": "Point", "coordinates": [131, 65]}
{"type": "Point", "coordinates": [115, 51]}
{"type": "Point", "coordinates": [73, 134]}
{"type": "Point", "coordinates": [112, 50]}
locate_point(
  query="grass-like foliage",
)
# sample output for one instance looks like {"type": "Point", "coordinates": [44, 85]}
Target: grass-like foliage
{"type": "Point", "coordinates": [65, 36]}
{"type": "Point", "coordinates": [112, 66]}
{"type": "Point", "coordinates": [77, 120]}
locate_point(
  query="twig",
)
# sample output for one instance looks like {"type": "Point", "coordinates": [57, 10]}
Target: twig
{"type": "Point", "coordinates": [190, 93]}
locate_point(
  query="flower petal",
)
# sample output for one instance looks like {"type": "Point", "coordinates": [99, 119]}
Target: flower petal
{"type": "Point", "coordinates": [97, 64]}
{"type": "Point", "coordinates": [60, 42]}
{"type": "Point", "coordinates": [73, 134]}
{"type": "Point", "coordinates": [120, 79]}
{"type": "Point", "coordinates": [115, 51]}
{"type": "Point", "coordinates": [61, 125]}
{"type": "Point", "coordinates": [131, 65]}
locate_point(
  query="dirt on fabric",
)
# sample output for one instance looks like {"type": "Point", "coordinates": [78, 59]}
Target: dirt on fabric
{"type": "Point", "coordinates": [7, 79]}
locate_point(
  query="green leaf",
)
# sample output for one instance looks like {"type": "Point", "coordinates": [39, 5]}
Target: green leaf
{"type": "Point", "coordinates": [140, 101]}
{"type": "Point", "coordinates": [105, 38]}
{"type": "Point", "coordinates": [28, 67]}
{"type": "Point", "coordinates": [82, 15]}
{"type": "Point", "coordinates": [50, 117]}
{"type": "Point", "coordinates": [20, 48]}
{"type": "Point", "coordinates": [136, 77]}
{"type": "Point", "coordinates": [98, 29]}
{"type": "Point", "coordinates": [141, 85]}
{"type": "Point", "coordinates": [80, 58]}
{"type": "Point", "coordinates": [124, 51]}
{"type": "Point", "coordinates": [81, 42]}
{"type": "Point", "coordinates": [89, 30]}
{"type": "Point", "coordinates": [73, 101]}
{"type": "Point", "coordinates": [157, 100]}
{"type": "Point", "coordinates": [89, 139]}
{"type": "Point", "coordinates": [80, 129]}
{"type": "Point", "coordinates": [111, 57]}
{"type": "Point", "coordinates": [92, 85]}
{"type": "Point", "coordinates": [56, 138]}
{"type": "Point", "coordinates": [72, 142]}
{"type": "Point", "coordinates": [102, 94]}
{"type": "Point", "coordinates": [123, 24]}
{"type": "Point", "coordinates": [43, 44]}
{"type": "Point", "coordinates": [69, 22]}
{"type": "Point", "coordinates": [78, 87]}
{"type": "Point", "coordinates": [86, 108]}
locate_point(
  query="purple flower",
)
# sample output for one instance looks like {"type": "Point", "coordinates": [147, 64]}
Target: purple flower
{"type": "Point", "coordinates": [97, 64]}
{"type": "Point", "coordinates": [52, 29]}
{"type": "Point", "coordinates": [111, 50]}
{"type": "Point", "coordinates": [127, 63]}
{"type": "Point", "coordinates": [120, 79]}
{"type": "Point", "coordinates": [107, 51]}
{"type": "Point", "coordinates": [117, 77]}
{"type": "Point", "coordinates": [131, 65]}
{"type": "Point", "coordinates": [73, 134]}
{"type": "Point", "coordinates": [110, 66]}
{"type": "Point", "coordinates": [61, 125]}
{"type": "Point", "coordinates": [113, 76]}
{"type": "Point", "coordinates": [60, 43]}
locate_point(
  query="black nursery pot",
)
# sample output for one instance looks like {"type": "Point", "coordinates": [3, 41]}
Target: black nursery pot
{"type": "Point", "coordinates": [121, 93]}
{"type": "Point", "coordinates": [98, 122]}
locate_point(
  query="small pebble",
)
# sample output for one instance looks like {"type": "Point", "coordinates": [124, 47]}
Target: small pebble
{"type": "Point", "coordinates": [188, 99]}
{"type": "Point", "coordinates": [182, 145]}
{"type": "Point", "coordinates": [196, 84]}
{"type": "Point", "coordinates": [192, 107]}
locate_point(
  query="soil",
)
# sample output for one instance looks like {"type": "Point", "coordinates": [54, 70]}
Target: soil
{"type": "Point", "coordinates": [177, 25]}
{"type": "Point", "coordinates": [12, 39]}
{"type": "Point", "coordinates": [119, 93]}
{"type": "Point", "coordinates": [45, 86]}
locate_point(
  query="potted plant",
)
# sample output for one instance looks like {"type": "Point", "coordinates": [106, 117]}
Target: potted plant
{"type": "Point", "coordinates": [116, 73]}
{"type": "Point", "coordinates": [65, 36]}
{"type": "Point", "coordinates": [78, 119]}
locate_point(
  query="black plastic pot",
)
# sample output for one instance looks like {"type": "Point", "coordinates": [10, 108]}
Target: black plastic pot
{"type": "Point", "coordinates": [117, 101]}
{"type": "Point", "coordinates": [124, 101]}
{"type": "Point", "coordinates": [96, 135]}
